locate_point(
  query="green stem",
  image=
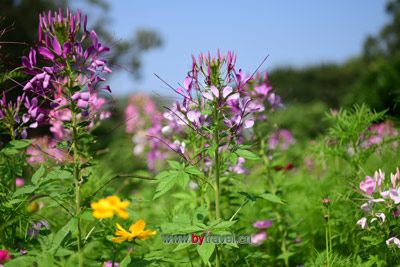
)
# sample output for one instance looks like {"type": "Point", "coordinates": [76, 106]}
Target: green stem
{"type": "Point", "coordinates": [327, 242]}
{"type": "Point", "coordinates": [217, 176]}
{"type": "Point", "coordinates": [330, 234]}
{"type": "Point", "coordinates": [77, 176]}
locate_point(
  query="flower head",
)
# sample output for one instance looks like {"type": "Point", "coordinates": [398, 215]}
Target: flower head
{"type": "Point", "coordinates": [67, 70]}
{"type": "Point", "coordinates": [106, 207]}
{"type": "Point", "coordinates": [136, 230]}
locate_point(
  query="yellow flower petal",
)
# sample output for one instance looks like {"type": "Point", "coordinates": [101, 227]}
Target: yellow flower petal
{"type": "Point", "coordinates": [124, 204]}
{"type": "Point", "coordinates": [102, 214]}
{"type": "Point", "coordinates": [109, 206]}
{"type": "Point", "coordinates": [119, 227]}
{"type": "Point", "coordinates": [123, 214]}
{"type": "Point", "coordinates": [118, 239]}
{"type": "Point", "coordinates": [137, 227]}
{"type": "Point", "coordinates": [113, 200]}
{"type": "Point", "coordinates": [145, 234]}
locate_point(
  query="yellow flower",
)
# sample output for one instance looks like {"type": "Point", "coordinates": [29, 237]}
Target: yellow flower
{"type": "Point", "coordinates": [106, 207]}
{"type": "Point", "coordinates": [136, 230]}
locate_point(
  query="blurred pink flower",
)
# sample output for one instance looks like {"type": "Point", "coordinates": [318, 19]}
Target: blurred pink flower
{"type": "Point", "coordinates": [259, 238]}
{"type": "Point", "coordinates": [263, 224]}
{"type": "Point", "coordinates": [4, 256]}
{"type": "Point", "coordinates": [19, 182]}
{"type": "Point", "coordinates": [44, 148]}
{"type": "Point", "coordinates": [138, 112]}
{"type": "Point", "coordinates": [110, 264]}
{"type": "Point", "coordinates": [281, 139]}
{"type": "Point", "coordinates": [380, 131]}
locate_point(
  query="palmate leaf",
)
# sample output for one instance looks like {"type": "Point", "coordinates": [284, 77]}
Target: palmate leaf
{"type": "Point", "coordinates": [167, 179]}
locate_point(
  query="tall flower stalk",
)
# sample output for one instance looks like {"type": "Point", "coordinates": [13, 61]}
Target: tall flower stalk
{"type": "Point", "coordinates": [70, 82]}
{"type": "Point", "coordinates": [207, 126]}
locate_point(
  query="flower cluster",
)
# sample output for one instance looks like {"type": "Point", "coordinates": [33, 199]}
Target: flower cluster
{"type": "Point", "coordinates": [215, 98]}
{"type": "Point", "coordinates": [383, 200]}
{"type": "Point", "coordinates": [214, 84]}
{"type": "Point", "coordinates": [282, 139]}
{"type": "Point", "coordinates": [378, 132]}
{"type": "Point", "coordinates": [67, 71]}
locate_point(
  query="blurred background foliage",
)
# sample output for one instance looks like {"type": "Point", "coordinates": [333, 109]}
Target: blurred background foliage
{"type": "Point", "coordinates": [371, 78]}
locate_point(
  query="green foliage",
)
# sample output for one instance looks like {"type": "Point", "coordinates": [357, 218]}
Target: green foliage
{"type": "Point", "coordinates": [347, 137]}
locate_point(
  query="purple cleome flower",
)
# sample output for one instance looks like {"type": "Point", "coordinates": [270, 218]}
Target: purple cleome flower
{"type": "Point", "coordinates": [72, 74]}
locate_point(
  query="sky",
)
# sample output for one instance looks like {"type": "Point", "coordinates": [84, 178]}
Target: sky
{"type": "Point", "coordinates": [290, 32]}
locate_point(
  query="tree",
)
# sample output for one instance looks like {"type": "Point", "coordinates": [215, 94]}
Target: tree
{"type": "Point", "coordinates": [19, 24]}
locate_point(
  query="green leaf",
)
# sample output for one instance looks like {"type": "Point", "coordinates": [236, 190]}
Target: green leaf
{"type": "Point", "coordinates": [59, 174]}
{"type": "Point", "coordinates": [21, 261]}
{"type": "Point", "coordinates": [19, 144]}
{"type": "Point", "coordinates": [182, 246]}
{"type": "Point", "coordinates": [233, 158]}
{"type": "Point", "coordinates": [193, 170]}
{"type": "Point", "coordinates": [205, 251]}
{"type": "Point", "coordinates": [63, 234]}
{"type": "Point", "coordinates": [285, 255]}
{"type": "Point", "coordinates": [271, 197]}
{"type": "Point", "coordinates": [125, 261]}
{"type": "Point", "coordinates": [168, 180]}
{"type": "Point", "coordinates": [183, 179]}
{"type": "Point", "coordinates": [38, 174]}
{"type": "Point", "coordinates": [174, 164]}
{"type": "Point", "coordinates": [247, 154]}
{"type": "Point", "coordinates": [28, 189]}
{"type": "Point", "coordinates": [9, 151]}
{"type": "Point", "coordinates": [224, 225]}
